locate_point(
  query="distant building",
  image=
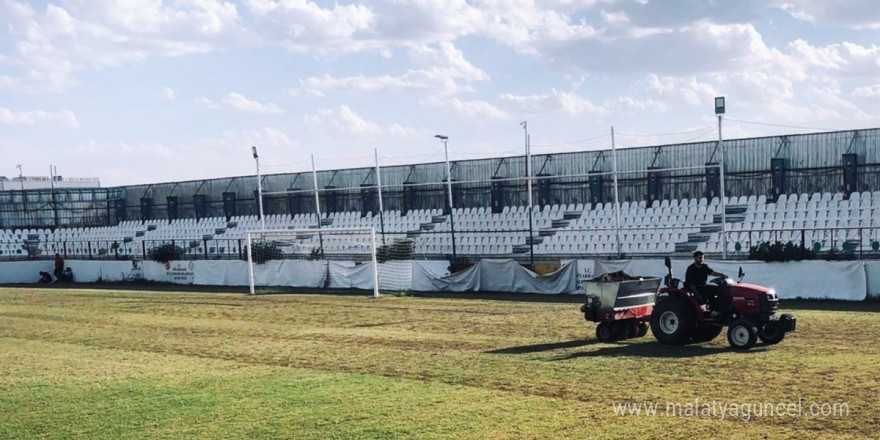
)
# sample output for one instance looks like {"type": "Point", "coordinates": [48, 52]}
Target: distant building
{"type": "Point", "coordinates": [44, 182]}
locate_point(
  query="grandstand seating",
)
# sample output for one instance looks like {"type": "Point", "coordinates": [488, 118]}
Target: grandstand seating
{"type": "Point", "coordinates": [823, 221]}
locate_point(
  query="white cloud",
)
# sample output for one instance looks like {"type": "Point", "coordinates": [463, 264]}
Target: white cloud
{"type": "Point", "coordinates": [811, 114]}
{"type": "Point", "coordinates": [872, 91]}
{"type": "Point", "coordinates": [446, 69]}
{"type": "Point", "coordinates": [305, 26]}
{"type": "Point", "coordinates": [65, 118]}
{"type": "Point", "coordinates": [832, 97]}
{"type": "Point", "coordinates": [469, 110]}
{"type": "Point", "coordinates": [238, 101]}
{"type": "Point", "coordinates": [856, 14]}
{"type": "Point", "coordinates": [118, 162]}
{"type": "Point", "coordinates": [845, 58]}
{"type": "Point", "coordinates": [699, 47]}
{"type": "Point", "coordinates": [755, 86]}
{"type": "Point", "coordinates": [207, 103]}
{"type": "Point", "coordinates": [659, 14]}
{"type": "Point", "coordinates": [687, 89]}
{"type": "Point", "coordinates": [53, 44]}
{"type": "Point", "coordinates": [528, 27]}
{"type": "Point", "coordinates": [571, 67]}
{"type": "Point", "coordinates": [343, 121]}
{"type": "Point", "coordinates": [555, 102]}
{"type": "Point", "coordinates": [796, 12]}
{"type": "Point", "coordinates": [402, 131]}
{"type": "Point", "coordinates": [626, 104]}
{"type": "Point", "coordinates": [524, 25]}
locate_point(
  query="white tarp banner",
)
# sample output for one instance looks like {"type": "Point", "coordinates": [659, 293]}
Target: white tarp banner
{"type": "Point", "coordinates": [426, 278]}
{"type": "Point", "coordinates": [348, 275]}
{"type": "Point", "coordinates": [510, 276]}
{"type": "Point", "coordinates": [497, 276]}
{"type": "Point", "coordinates": [221, 273]}
{"type": "Point", "coordinates": [176, 272]}
{"type": "Point", "coordinates": [814, 279]}
{"type": "Point", "coordinates": [872, 271]}
{"type": "Point", "coordinates": [584, 269]}
{"type": "Point", "coordinates": [294, 273]}
{"type": "Point", "coordinates": [393, 275]}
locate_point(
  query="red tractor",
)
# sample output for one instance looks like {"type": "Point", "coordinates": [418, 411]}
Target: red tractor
{"type": "Point", "coordinates": [681, 317]}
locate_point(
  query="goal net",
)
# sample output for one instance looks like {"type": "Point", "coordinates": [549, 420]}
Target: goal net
{"type": "Point", "coordinates": [328, 258]}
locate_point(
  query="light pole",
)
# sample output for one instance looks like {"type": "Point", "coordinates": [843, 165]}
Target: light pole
{"type": "Point", "coordinates": [259, 189]}
{"type": "Point", "coordinates": [525, 126]}
{"type": "Point", "coordinates": [20, 177]}
{"type": "Point", "coordinates": [53, 173]}
{"type": "Point", "coordinates": [616, 200]}
{"type": "Point", "coordinates": [444, 139]}
{"type": "Point", "coordinates": [23, 198]}
{"type": "Point", "coordinates": [719, 110]}
{"type": "Point", "coordinates": [379, 191]}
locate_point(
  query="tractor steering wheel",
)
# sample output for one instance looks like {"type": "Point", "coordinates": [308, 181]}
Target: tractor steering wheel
{"type": "Point", "coordinates": [719, 280]}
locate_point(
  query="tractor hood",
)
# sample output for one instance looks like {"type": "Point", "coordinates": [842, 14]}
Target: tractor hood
{"type": "Point", "coordinates": [753, 288]}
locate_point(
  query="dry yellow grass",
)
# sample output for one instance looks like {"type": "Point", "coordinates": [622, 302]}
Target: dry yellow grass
{"type": "Point", "coordinates": [122, 364]}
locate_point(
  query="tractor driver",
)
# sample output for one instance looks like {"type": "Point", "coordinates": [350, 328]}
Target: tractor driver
{"type": "Point", "coordinates": [695, 280]}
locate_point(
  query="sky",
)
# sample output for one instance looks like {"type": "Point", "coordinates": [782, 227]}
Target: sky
{"type": "Point", "coordinates": [150, 91]}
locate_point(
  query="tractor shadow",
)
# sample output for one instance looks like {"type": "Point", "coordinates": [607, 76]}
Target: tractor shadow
{"type": "Point", "coordinates": [655, 349]}
{"type": "Point", "coordinates": [537, 348]}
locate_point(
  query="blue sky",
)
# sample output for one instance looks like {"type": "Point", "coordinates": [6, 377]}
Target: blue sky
{"type": "Point", "coordinates": [145, 91]}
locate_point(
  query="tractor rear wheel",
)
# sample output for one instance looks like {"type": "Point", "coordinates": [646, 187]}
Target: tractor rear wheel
{"type": "Point", "coordinates": [742, 334]}
{"type": "Point", "coordinates": [672, 322]}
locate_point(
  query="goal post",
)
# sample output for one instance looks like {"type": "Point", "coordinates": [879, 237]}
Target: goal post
{"type": "Point", "coordinates": [327, 258]}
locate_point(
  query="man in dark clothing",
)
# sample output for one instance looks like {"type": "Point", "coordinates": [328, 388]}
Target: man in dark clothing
{"type": "Point", "coordinates": [695, 280]}
{"type": "Point", "coordinates": [45, 277]}
{"type": "Point", "coordinates": [59, 267]}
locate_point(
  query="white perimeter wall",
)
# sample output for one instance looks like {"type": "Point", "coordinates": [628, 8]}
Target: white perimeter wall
{"type": "Point", "coordinates": [846, 280]}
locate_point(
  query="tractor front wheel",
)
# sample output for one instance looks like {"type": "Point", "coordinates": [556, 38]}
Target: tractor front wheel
{"type": "Point", "coordinates": [770, 333]}
{"type": "Point", "coordinates": [742, 334]}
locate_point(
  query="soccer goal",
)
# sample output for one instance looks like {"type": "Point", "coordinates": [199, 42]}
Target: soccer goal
{"type": "Point", "coordinates": [328, 258]}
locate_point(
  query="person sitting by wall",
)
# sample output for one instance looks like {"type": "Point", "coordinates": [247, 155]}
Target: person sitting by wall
{"type": "Point", "coordinates": [67, 275]}
{"type": "Point", "coordinates": [45, 277]}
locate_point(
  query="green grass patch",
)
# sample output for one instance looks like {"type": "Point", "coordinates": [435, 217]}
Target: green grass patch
{"type": "Point", "coordinates": [122, 364]}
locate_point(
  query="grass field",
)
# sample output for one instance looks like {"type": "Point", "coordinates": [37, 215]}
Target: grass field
{"type": "Point", "coordinates": [106, 364]}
